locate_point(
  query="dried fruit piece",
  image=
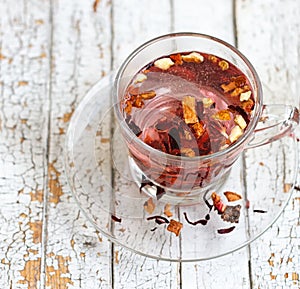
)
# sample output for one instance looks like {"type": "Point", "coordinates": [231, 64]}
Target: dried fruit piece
{"type": "Point", "coordinates": [193, 57]}
{"type": "Point", "coordinates": [217, 202]}
{"type": "Point", "coordinates": [235, 133]}
{"type": "Point", "coordinates": [140, 78]}
{"type": "Point", "coordinates": [189, 110]}
{"type": "Point", "coordinates": [226, 230]}
{"type": "Point", "coordinates": [207, 102]}
{"type": "Point", "coordinates": [224, 65]}
{"type": "Point", "coordinates": [159, 220]}
{"type": "Point", "coordinates": [177, 58]}
{"type": "Point", "coordinates": [163, 63]}
{"type": "Point", "coordinates": [213, 58]}
{"type": "Point", "coordinates": [260, 211]}
{"type": "Point", "coordinates": [187, 135]}
{"type": "Point", "coordinates": [228, 87]}
{"type": "Point", "coordinates": [245, 95]}
{"type": "Point", "coordinates": [232, 214]}
{"type": "Point", "coordinates": [149, 206]}
{"type": "Point", "coordinates": [223, 114]}
{"type": "Point", "coordinates": [237, 91]}
{"type": "Point", "coordinates": [133, 90]}
{"type": "Point", "coordinates": [247, 105]}
{"type": "Point", "coordinates": [238, 81]}
{"type": "Point", "coordinates": [187, 152]}
{"type": "Point", "coordinates": [239, 120]}
{"type": "Point", "coordinates": [201, 221]}
{"type": "Point", "coordinates": [128, 107]}
{"type": "Point", "coordinates": [116, 219]}
{"type": "Point", "coordinates": [138, 102]}
{"type": "Point", "coordinates": [199, 129]}
{"type": "Point", "coordinates": [232, 196]}
{"type": "Point", "coordinates": [167, 210]}
{"type": "Point", "coordinates": [148, 94]}
{"type": "Point", "coordinates": [175, 227]}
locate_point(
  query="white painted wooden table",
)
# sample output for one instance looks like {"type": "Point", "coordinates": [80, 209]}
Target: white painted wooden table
{"type": "Point", "coordinates": [51, 52]}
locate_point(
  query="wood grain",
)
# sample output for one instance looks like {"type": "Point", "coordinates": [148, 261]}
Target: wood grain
{"type": "Point", "coordinates": [273, 257]}
{"type": "Point", "coordinates": [24, 106]}
{"type": "Point", "coordinates": [76, 254]}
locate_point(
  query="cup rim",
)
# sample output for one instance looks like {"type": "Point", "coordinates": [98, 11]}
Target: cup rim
{"type": "Point", "coordinates": [246, 135]}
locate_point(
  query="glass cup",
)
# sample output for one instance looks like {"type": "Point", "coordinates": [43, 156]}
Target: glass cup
{"type": "Point", "coordinates": [179, 176]}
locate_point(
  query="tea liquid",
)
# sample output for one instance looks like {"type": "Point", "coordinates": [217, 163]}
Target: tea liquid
{"type": "Point", "coordinates": [189, 104]}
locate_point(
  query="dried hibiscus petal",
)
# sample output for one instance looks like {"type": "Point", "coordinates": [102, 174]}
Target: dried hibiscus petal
{"type": "Point", "coordinates": [116, 219]}
{"type": "Point", "coordinates": [175, 227]}
{"type": "Point", "coordinates": [260, 211]}
{"type": "Point", "coordinates": [135, 129]}
{"type": "Point", "coordinates": [159, 192]}
{"type": "Point", "coordinates": [158, 220]}
{"type": "Point", "coordinates": [145, 182]}
{"type": "Point", "coordinates": [201, 221]}
{"type": "Point", "coordinates": [226, 230]}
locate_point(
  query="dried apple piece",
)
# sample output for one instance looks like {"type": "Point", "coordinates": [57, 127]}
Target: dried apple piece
{"type": "Point", "coordinates": [175, 227]}
{"type": "Point", "coordinates": [207, 102]}
{"type": "Point", "coordinates": [193, 57]}
{"type": "Point", "coordinates": [163, 63]}
{"type": "Point", "coordinates": [239, 120]}
{"type": "Point", "coordinates": [189, 109]}
{"type": "Point", "coordinates": [235, 133]}
{"type": "Point", "coordinates": [245, 95]}
{"type": "Point", "coordinates": [141, 77]}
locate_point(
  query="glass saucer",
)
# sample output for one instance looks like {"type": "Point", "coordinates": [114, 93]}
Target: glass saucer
{"type": "Point", "coordinates": [97, 168]}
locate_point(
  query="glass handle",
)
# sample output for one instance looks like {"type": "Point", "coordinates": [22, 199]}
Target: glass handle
{"type": "Point", "coordinates": [276, 121]}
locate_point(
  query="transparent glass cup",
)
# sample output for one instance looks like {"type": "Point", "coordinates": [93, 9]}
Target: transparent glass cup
{"type": "Point", "coordinates": [192, 176]}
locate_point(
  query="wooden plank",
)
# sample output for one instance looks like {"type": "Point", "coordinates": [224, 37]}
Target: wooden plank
{"type": "Point", "coordinates": [76, 254]}
{"type": "Point", "coordinates": [24, 106]}
{"type": "Point", "coordinates": [216, 19]}
{"type": "Point", "coordinates": [134, 23]}
{"type": "Point", "coordinates": [272, 47]}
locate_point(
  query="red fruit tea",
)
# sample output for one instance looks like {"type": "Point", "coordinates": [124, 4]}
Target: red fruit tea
{"type": "Point", "coordinates": [189, 104]}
